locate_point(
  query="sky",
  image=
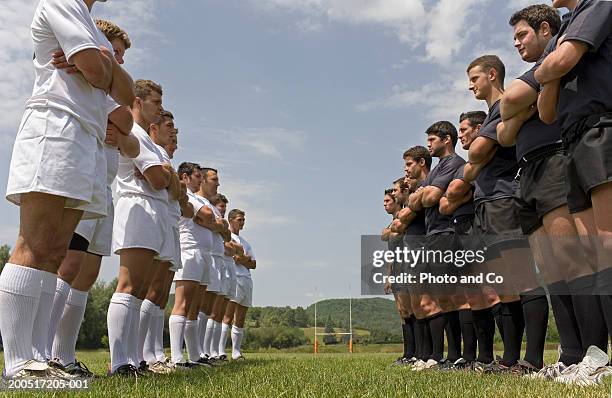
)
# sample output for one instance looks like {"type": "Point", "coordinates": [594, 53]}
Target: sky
{"type": "Point", "coordinates": [304, 106]}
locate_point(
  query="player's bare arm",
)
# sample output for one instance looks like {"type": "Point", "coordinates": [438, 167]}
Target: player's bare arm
{"type": "Point", "coordinates": [158, 177]}
{"type": "Point", "coordinates": [122, 85]}
{"type": "Point", "coordinates": [559, 62]}
{"type": "Point", "coordinates": [431, 196]}
{"type": "Point", "coordinates": [481, 152]}
{"type": "Point", "coordinates": [386, 232]}
{"type": "Point", "coordinates": [517, 97]}
{"type": "Point", "coordinates": [206, 218]}
{"type": "Point", "coordinates": [507, 130]}
{"type": "Point", "coordinates": [174, 186]}
{"type": "Point", "coordinates": [547, 101]}
{"type": "Point", "coordinates": [415, 200]}
{"type": "Point", "coordinates": [96, 66]}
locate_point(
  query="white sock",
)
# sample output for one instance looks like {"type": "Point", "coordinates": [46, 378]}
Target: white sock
{"type": "Point", "coordinates": [176, 324]}
{"type": "Point", "coordinates": [62, 289]}
{"type": "Point", "coordinates": [223, 339]}
{"type": "Point", "coordinates": [132, 347]}
{"type": "Point", "coordinates": [159, 341]}
{"type": "Point", "coordinates": [214, 343]}
{"type": "Point", "coordinates": [202, 322]}
{"type": "Point", "coordinates": [237, 334]}
{"type": "Point", "coordinates": [118, 321]}
{"type": "Point", "coordinates": [43, 316]}
{"type": "Point", "coordinates": [210, 324]}
{"type": "Point", "coordinates": [65, 339]}
{"type": "Point", "coordinates": [20, 289]}
{"type": "Point", "coordinates": [147, 333]}
{"type": "Point", "coordinates": [191, 340]}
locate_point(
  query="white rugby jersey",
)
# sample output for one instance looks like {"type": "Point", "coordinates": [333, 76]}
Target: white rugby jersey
{"type": "Point", "coordinates": [194, 235]}
{"type": "Point", "coordinates": [174, 208]}
{"type": "Point", "coordinates": [150, 155]}
{"type": "Point", "coordinates": [67, 26]}
{"type": "Point", "coordinates": [218, 248]}
{"type": "Point", "coordinates": [241, 270]}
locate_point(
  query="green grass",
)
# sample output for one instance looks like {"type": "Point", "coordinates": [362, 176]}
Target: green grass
{"type": "Point", "coordinates": [323, 375]}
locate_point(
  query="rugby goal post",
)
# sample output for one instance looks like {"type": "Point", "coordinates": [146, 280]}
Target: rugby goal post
{"type": "Point", "coordinates": [350, 332]}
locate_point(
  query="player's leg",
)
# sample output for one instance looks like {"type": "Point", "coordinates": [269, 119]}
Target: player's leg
{"type": "Point", "coordinates": [124, 309]}
{"type": "Point", "coordinates": [184, 294]}
{"type": "Point", "coordinates": [147, 334]}
{"type": "Point", "coordinates": [191, 327]}
{"type": "Point", "coordinates": [238, 331]}
{"type": "Point", "coordinates": [601, 197]}
{"type": "Point", "coordinates": [160, 319]}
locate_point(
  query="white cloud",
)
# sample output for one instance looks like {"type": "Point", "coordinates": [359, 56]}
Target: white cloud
{"type": "Point", "coordinates": [268, 141]}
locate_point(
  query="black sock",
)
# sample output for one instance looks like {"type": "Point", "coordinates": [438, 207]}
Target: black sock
{"type": "Point", "coordinates": [606, 306]}
{"type": "Point", "coordinates": [409, 339]}
{"type": "Point", "coordinates": [589, 314]}
{"type": "Point", "coordinates": [567, 325]}
{"type": "Point", "coordinates": [419, 332]}
{"type": "Point", "coordinates": [436, 324]}
{"type": "Point", "coordinates": [484, 326]}
{"type": "Point", "coordinates": [468, 334]}
{"type": "Point", "coordinates": [453, 335]}
{"type": "Point", "coordinates": [535, 313]}
{"type": "Point", "coordinates": [425, 339]}
{"type": "Point", "coordinates": [514, 324]}
{"type": "Point", "coordinates": [497, 314]}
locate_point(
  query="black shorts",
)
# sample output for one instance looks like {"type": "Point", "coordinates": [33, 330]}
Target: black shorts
{"type": "Point", "coordinates": [78, 243]}
{"type": "Point", "coordinates": [497, 224]}
{"type": "Point", "coordinates": [588, 164]}
{"type": "Point", "coordinates": [541, 190]}
{"type": "Point", "coordinates": [441, 249]}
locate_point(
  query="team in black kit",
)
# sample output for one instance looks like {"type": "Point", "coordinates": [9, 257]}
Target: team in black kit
{"type": "Point", "coordinates": [535, 193]}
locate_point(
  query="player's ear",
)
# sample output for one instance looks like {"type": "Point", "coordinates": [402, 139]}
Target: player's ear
{"type": "Point", "coordinates": [545, 29]}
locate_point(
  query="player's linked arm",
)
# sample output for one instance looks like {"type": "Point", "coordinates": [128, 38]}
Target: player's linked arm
{"type": "Point", "coordinates": [205, 218]}
{"type": "Point", "coordinates": [415, 200]}
{"type": "Point", "coordinates": [96, 67]}
{"type": "Point", "coordinates": [174, 186]}
{"type": "Point", "coordinates": [158, 177]}
{"type": "Point", "coordinates": [547, 101]}
{"type": "Point", "coordinates": [480, 153]}
{"type": "Point", "coordinates": [562, 60]}
{"type": "Point", "coordinates": [122, 85]}
{"type": "Point", "coordinates": [431, 196]}
{"type": "Point", "coordinates": [386, 232]}
{"type": "Point", "coordinates": [507, 130]}
{"type": "Point", "coordinates": [517, 97]}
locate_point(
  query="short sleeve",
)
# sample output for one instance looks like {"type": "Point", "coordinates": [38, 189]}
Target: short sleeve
{"type": "Point", "coordinates": [444, 177]}
{"type": "Point", "coordinates": [591, 24]}
{"type": "Point", "coordinates": [111, 105]}
{"type": "Point", "coordinates": [148, 156]}
{"type": "Point", "coordinates": [197, 205]}
{"type": "Point", "coordinates": [72, 25]}
{"type": "Point", "coordinates": [529, 79]}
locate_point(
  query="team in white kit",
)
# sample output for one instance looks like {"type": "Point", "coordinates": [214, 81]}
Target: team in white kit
{"type": "Point", "coordinates": [86, 126]}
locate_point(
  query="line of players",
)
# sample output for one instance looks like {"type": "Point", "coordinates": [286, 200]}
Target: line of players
{"type": "Point", "coordinates": [167, 226]}
{"type": "Point", "coordinates": [535, 190]}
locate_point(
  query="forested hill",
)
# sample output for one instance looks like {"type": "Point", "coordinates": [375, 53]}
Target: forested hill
{"type": "Point", "coordinates": [368, 313]}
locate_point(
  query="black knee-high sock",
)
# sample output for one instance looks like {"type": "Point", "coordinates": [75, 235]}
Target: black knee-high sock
{"type": "Point", "coordinates": [468, 334]}
{"type": "Point", "coordinates": [436, 325]}
{"type": "Point", "coordinates": [514, 324]}
{"type": "Point", "coordinates": [496, 310]}
{"type": "Point", "coordinates": [453, 335]}
{"type": "Point", "coordinates": [606, 306]}
{"type": "Point", "coordinates": [426, 339]}
{"type": "Point", "coordinates": [567, 325]}
{"type": "Point", "coordinates": [419, 332]}
{"type": "Point", "coordinates": [409, 339]}
{"type": "Point", "coordinates": [589, 314]}
{"type": "Point", "coordinates": [484, 325]}
{"type": "Point", "coordinates": [604, 290]}
{"type": "Point", "coordinates": [535, 313]}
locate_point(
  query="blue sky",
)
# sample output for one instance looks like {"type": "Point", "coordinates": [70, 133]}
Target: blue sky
{"type": "Point", "coordinates": [304, 106]}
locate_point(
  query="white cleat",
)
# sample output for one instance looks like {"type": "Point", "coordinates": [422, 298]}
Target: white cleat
{"type": "Point", "coordinates": [586, 372]}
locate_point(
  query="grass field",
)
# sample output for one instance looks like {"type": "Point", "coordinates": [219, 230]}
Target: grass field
{"type": "Point", "coordinates": [324, 375]}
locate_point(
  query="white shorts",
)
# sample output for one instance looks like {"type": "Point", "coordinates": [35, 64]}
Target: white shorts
{"type": "Point", "coordinates": [141, 222]}
{"type": "Point", "coordinates": [53, 154]}
{"type": "Point", "coordinates": [206, 267]}
{"type": "Point", "coordinates": [193, 265]}
{"type": "Point", "coordinates": [177, 264]}
{"type": "Point", "coordinates": [244, 291]}
{"type": "Point", "coordinates": [216, 275]}
{"type": "Point", "coordinates": [99, 233]}
{"type": "Point", "coordinates": [230, 272]}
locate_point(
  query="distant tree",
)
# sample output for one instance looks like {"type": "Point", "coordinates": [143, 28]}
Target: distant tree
{"type": "Point", "coordinates": [301, 317]}
{"type": "Point", "coordinates": [329, 328]}
{"type": "Point", "coordinates": [5, 254]}
{"type": "Point", "coordinates": [93, 332]}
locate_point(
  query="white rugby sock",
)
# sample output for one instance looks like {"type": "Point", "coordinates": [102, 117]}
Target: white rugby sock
{"type": "Point", "coordinates": [147, 332]}
{"type": "Point", "coordinates": [223, 339]}
{"type": "Point", "coordinates": [132, 350]}
{"type": "Point", "coordinates": [191, 340]}
{"type": "Point", "coordinates": [118, 321]}
{"type": "Point", "coordinates": [210, 324]}
{"type": "Point", "coordinates": [214, 343]}
{"type": "Point", "coordinates": [20, 289]}
{"type": "Point", "coordinates": [65, 339]}
{"type": "Point", "coordinates": [62, 289]}
{"type": "Point", "coordinates": [202, 321]}
{"type": "Point", "coordinates": [159, 341]}
{"type": "Point", "coordinates": [43, 316]}
{"type": "Point", "coordinates": [176, 324]}
{"type": "Point", "coordinates": [237, 334]}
